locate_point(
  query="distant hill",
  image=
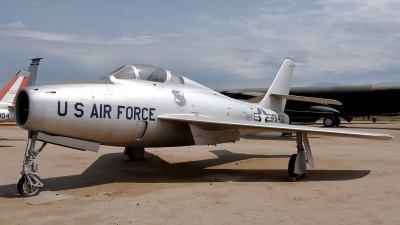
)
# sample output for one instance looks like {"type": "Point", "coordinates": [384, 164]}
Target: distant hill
{"type": "Point", "coordinates": [323, 84]}
{"type": "Point", "coordinates": [386, 83]}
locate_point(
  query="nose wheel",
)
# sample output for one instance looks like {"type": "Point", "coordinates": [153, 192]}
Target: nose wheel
{"type": "Point", "coordinates": [30, 184]}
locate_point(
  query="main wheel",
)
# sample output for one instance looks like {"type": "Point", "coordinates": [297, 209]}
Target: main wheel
{"type": "Point", "coordinates": [329, 122]}
{"type": "Point", "coordinates": [292, 162]}
{"type": "Point", "coordinates": [374, 120]}
{"type": "Point", "coordinates": [337, 121]}
{"type": "Point", "coordinates": [24, 188]}
{"type": "Point", "coordinates": [134, 154]}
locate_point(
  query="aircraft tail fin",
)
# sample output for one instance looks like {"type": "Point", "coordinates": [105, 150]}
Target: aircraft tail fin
{"type": "Point", "coordinates": [33, 69]}
{"type": "Point", "coordinates": [7, 94]}
{"type": "Point", "coordinates": [22, 79]}
{"type": "Point", "coordinates": [280, 86]}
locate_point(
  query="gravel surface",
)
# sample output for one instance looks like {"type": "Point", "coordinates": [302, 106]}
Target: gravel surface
{"type": "Point", "coordinates": [355, 182]}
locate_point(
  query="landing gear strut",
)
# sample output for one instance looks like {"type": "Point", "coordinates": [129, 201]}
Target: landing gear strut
{"type": "Point", "coordinates": [337, 121]}
{"type": "Point", "coordinates": [134, 154]}
{"type": "Point", "coordinates": [297, 163]}
{"type": "Point", "coordinates": [30, 184]}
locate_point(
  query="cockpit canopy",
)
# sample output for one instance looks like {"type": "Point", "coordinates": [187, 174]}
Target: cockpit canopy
{"type": "Point", "coordinates": [146, 72]}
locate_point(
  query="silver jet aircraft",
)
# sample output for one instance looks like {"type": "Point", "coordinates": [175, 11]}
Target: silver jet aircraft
{"type": "Point", "coordinates": [138, 106]}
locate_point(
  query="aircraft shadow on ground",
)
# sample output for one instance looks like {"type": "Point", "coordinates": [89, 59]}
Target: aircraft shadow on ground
{"type": "Point", "coordinates": [110, 168]}
{"type": "Point", "coordinates": [6, 146]}
{"type": "Point", "coordinates": [7, 139]}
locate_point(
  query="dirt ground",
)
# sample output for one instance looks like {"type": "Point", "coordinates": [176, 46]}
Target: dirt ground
{"type": "Point", "coordinates": [355, 182]}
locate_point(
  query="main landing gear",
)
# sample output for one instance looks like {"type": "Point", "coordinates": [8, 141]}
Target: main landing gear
{"type": "Point", "coordinates": [331, 121]}
{"type": "Point", "coordinates": [134, 154]}
{"type": "Point", "coordinates": [297, 163]}
{"type": "Point", "coordinates": [30, 184]}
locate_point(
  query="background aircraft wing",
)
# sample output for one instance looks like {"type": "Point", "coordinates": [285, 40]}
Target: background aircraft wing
{"type": "Point", "coordinates": [298, 98]}
{"type": "Point", "coordinates": [211, 124]}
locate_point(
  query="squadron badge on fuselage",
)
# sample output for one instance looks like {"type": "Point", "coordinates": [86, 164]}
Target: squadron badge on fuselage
{"type": "Point", "coordinates": [180, 100]}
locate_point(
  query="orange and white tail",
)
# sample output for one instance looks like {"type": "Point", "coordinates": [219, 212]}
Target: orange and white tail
{"type": "Point", "coordinates": [20, 80]}
{"type": "Point", "coordinates": [7, 94]}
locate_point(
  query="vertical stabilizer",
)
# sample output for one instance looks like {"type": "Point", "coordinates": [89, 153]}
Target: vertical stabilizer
{"type": "Point", "coordinates": [33, 69]}
{"type": "Point", "coordinates": [7, 94]}
{"type": "Point", "coordinates": [280, 85]}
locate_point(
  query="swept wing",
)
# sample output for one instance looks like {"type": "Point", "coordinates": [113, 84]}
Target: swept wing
{"type": "Point", "coordinates": [210, 124]}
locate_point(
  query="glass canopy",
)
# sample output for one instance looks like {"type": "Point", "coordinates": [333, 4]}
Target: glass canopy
{"type": "Point", "coordinates": [146, 72]}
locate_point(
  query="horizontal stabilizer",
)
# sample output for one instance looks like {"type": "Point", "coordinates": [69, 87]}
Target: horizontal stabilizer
{"type": "Point", "coordinates": [298, 98]}
{"type": "Point", "coordinates": [69, 142]}
{"type": "Point", "coordinates": [230, 124]}
{"type": "Point", "coordinates": [5, 103]}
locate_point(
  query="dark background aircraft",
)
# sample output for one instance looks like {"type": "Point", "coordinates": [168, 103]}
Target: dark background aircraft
{"type": "Point", "coordinates": [358, 101]}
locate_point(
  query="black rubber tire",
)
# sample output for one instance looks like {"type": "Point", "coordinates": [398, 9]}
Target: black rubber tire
{"type": "Point", "coordinates": [329, 122]}
{"type": "Point", "coordinates": [292, 162]}
{"type": "Point", "coordinates": [337, 121]}
{"type": "Point", "coordinates": [21, 184]}
{"type": "Point", "coordinates": [19, 187]}
{"type": "Point", "coordinates": [374, 120]}
{"type": "Point", "coordinates": [135, 154]}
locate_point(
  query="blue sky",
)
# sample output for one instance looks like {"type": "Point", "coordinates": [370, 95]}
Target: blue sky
{"type": "Point", "coordinates": [221, 44]}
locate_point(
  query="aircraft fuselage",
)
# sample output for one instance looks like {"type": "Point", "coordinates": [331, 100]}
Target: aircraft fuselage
{"type": "Point", "coordinates": [124, 113]}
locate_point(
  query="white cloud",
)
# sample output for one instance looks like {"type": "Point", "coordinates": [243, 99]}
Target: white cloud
{"type": "Point", "coordinates": [70, 38]}
{"type": "Point", "coordinates": [132, 40]}
{"type": "Point", "coordinates": [349, 42]}
{"type": "Point", "coordinates": [46, 36]}
{"type": "Point", "coordinates": [16, 24]}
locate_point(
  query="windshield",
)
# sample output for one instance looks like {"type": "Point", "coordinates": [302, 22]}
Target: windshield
{"type": "Point", "coordinates": [114, 71]}
{"type": "Point", "coordinates": [123, 72]}
{"type": "Point", "coordinates": [126, 73]}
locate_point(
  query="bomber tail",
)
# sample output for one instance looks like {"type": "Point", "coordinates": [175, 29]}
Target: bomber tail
{"type": "Point", "coordinates": [33, 69]}
{"type": "Point", "coordinates": [280, 86]}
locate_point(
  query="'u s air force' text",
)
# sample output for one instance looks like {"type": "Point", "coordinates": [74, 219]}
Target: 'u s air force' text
{"type": "Point", "coordinates": [105, 111]}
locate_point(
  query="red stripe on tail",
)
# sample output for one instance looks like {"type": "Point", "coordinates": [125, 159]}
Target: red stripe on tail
{"type": "Point", "coordinates": [6, 88]}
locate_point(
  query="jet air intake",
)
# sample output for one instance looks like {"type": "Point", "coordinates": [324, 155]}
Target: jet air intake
{"type": "Point", "coordinates": [22, 108]}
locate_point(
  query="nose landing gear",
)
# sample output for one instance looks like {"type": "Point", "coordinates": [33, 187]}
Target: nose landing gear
{"type": "Point", "coordinates": [30, 184]}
